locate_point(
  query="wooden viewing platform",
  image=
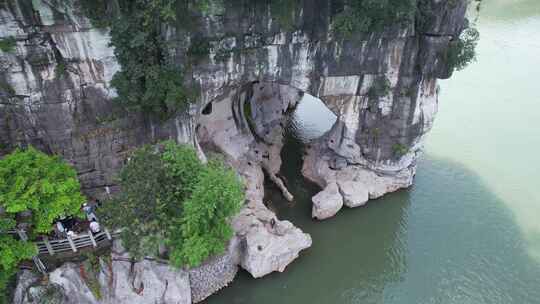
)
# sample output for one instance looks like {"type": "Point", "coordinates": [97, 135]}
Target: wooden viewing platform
{"type": "Point", "coordinates": [83, 240]}
{"type": "Point", "coordinates": [73, 244]}
{"type": "Point", "coordinates": [66, 245]}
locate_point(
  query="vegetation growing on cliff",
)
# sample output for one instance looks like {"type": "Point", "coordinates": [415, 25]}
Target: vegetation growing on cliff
{"type": "Point", "coordinates": [149, 80]}
{"type": "Point", "coordinates": [399, 149]}
{"type": "Point", "coordinates": [154, 183]}
{"type": "Point", "coordinates": [169, 198]}
{"type": "Point", "coordinates": [381, 87]}
{"type": "Point", "coordinates": [373, 15]}
{"type": "Point", "coordinates": [283, 11]}
{"type": "Point", "coordinates": [462, 51]}
{"type": "Point", "coordinates": [152, 81]}
{"type": "Point", "coordinates": [32, 181]}
{"type": "Point", "coordinates": [12, 252]}
{"type": "Point", "coordinates": [204, 227]}
{"type": "Point", "coordinates": [35, 183]}
{"type": "Point", "coordinates": [8, 44]}
{"type": "Point", "coordinates": [98, 11]}
{"type": "Point", "coordinates": [89, 271]}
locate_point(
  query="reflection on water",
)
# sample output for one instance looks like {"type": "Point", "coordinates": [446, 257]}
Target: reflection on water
{"type": "Point", "coordinates": [468, 230]}
{"type": "Point", "coordinates": [310, 119]}
{"type": "Point", "coordinates": [496, 100]}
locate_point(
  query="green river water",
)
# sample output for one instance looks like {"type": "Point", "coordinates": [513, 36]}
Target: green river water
{"type": "Point", "coordinates": [468, 231]}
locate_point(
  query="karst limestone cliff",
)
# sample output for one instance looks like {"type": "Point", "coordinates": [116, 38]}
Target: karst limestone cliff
{"type": "Point", "coordinates": [55, 94]}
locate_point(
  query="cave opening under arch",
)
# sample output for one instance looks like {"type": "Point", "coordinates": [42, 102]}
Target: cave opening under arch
{"type": "Point", "coordinates": [271, 125]}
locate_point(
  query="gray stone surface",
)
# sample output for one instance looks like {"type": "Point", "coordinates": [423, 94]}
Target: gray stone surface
{"type": "Point", "coordinates": [267, 244]}
{"type": "Point", "coordinates": [72, 114]}
{"type": "Point", "coordinates": [327, 202]}
{"type": "Point", "coordinates": [73, 287]}
{"type": "Point", "coordinates": [215, 273]}
{"type": "Point", "coordinates": [269, 249]}
{"type": "Point", "coordinates": [25, 280]}
{"type": "Point", "coordinates": [354, 193]}
{"type": "Point", "coordinates": [144, 282]}
{"type": "Point", "coordinates": [121, 282]}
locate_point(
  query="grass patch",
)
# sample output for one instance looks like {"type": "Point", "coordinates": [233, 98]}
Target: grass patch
{"type": "Point", "coordinates": [8, 44]}
{"type": "Point", "coordinates": [89, 270]}
{"type": "Point", "coordinates": [399, 149]}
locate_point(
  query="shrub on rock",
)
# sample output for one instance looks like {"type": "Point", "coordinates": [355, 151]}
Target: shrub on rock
{"type": "Point", "coordinates": [169, 198]}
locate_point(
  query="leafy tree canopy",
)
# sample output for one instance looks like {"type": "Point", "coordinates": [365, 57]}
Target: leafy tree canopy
{"type": "Point", "coordinates": [462, 51]}
{"type": "Point", "coordinates": [170, 198]}
{"type": "Point", "coordinates": [12, 252]}
{"type": "Point", "coordinates": [204, 230]}
{"type": "Point", "coordinates": [154, 183]}
{"type": "Point", "coordinates": [149, 80]}
{"type": "Point", "coordinates": [44, 185]}
{"type": "Point", "coordinates": [373, 15]}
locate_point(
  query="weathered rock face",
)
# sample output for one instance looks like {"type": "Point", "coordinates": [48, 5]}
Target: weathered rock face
{"type": "Point", "coordinates": [353, 194]}
{"type": "Point", "coordinates": [122, 281]}
{"type": "Point", "coordinates": [327, 202]}
{"type": "Point", "coordinates": [55, 94]}
{"type": "Point", "coordinates": [251, 141]}
{"type": "Point", "coordinates": [118, 281]}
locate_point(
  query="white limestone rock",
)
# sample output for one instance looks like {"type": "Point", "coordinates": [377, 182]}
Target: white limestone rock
{"type": "Point", "coordinates": [146, 282]}
{"type": "Point", "coordinates": [72, 284]}
{"type": "Point", "coordinates": [318, 165]}
{"type": "Point", "coordinates": [355, 194]}
{"type": "Point", "coordinates": [327, 202]}
{"type": "Point", "coordinates": [24, 293]}
{"type": "Point", "coordinates": [268, 244]}
{"type": "Point", "coordinates": [267, 250]}
{"type": "Point", "coordinates": [120, 282]}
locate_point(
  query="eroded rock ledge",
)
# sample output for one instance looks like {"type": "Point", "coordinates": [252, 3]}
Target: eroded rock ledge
{"type": "Point", "coordinates": [250, 142]}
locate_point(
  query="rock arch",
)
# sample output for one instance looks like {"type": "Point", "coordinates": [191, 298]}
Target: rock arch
{"type": "Point", "coordinates": [374, 143]}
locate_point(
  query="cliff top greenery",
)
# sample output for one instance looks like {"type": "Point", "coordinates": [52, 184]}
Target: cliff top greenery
{"type": "Point", "coordinates": [153, 80]}
{"type": "Point", "coordinates": [373, 15]}
{"type": "Point", "coordinates": [149, 80]}
{"type": "Point", "coordinates": [45, 186]}
{"type": "Point", "coordinates": [462, 51]}
{"type": "Point", "coordinates": [8, 44]}
{"type": "Point", "coordinates": [170, 199]}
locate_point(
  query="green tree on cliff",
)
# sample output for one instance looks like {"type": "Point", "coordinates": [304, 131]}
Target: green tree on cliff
{"type": "Point", "coordinates": [154, 183]}
{"type": "Point", "coordinates": [204, 225]}
{"type": "Point", "coordinates": [462, 51]}
{"type": "Point", "coordinates": [37, 188]}
{"type": "Point", "coordinates": [149, 80]}
{"type": "Point", "coordinates": [169, 198]}
{"type": "Point", "coordinates": [361, 16]}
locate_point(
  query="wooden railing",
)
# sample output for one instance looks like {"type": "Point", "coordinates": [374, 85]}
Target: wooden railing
{"type": "Point", "coordinates": [69, 244]}
{"type": "Point", "coordinates": [73, 244]}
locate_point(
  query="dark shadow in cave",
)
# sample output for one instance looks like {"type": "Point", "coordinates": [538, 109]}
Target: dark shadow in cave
{"type": "Point", "coordinates": [308, 121]}
{"type": "Point", "coordinates": [208, 109]}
